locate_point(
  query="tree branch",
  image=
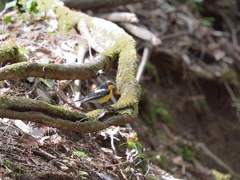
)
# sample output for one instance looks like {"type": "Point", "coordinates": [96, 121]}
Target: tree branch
{"type": "Point", "coordinates": [58, 117]}
{"type": "Point", "coordinates": [57, 71]}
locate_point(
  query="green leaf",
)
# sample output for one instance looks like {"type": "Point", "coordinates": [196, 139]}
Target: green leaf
{"type": "Point", "coordinates": [132, 144]}
{"type": "Point", "coordinates": [48, 82]}
{"type": "Point", "coordinates": [33, 7]}
{"type": "Point", "coordinates": [8, 19]}
{"type": "Point", "coordinates": [80, 154]}
{"type": "Point", "coordinates": [23, 50]}
{"type": "Point", "coordinates": [84, 173]}
{"type": "Point", "coordinates": [208, 21]}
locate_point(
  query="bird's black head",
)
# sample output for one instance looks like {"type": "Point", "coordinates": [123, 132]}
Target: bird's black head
{"type": "Point", "coordinates": [110, 84]}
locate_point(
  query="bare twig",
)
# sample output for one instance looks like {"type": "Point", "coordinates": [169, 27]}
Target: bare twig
{"type": "Point", "coordinates": [232, 28]}
{"type": "Point", "coordinates": [145, 58]}
{"type": "Point", "coordinates": [189, 21]}
{"type": "Point", "coordinates": [234, 99]}
{"type": "Point", "coordinates": [179, 33]}
{"type": "Point", "coordinates": [5, 129]}
{"type": "Point", "coordinates": [216, 159]}
{"type": "Point", "coordinates": [44, 153]}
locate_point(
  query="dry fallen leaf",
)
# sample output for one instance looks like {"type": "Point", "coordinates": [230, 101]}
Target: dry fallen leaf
{"type": "Point", "coordinates": [27, 141]}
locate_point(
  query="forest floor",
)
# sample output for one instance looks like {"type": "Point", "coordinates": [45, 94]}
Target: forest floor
{"type": "Point", "coordinates": [188, 124]}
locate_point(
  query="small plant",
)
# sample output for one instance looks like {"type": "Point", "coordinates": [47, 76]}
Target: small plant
{"type": "Point", "coordinates": [162, 160]}
{"type": "Point", "coordinates": [33, 7]}
{"type": "Point", "coordinates": [187, 151]}
{"type": "Point", "coordinates": [136, 155]}
{"type": "Point", "coordinates": [219, 176]}
{"type": "Point", "coordinates": [208, 21]}
{"type": "Point", "coordinates": [229, 76]}
{"type": "Point", "coordinates": [142, 162]}
{"type": "Point", "coordinates": [156, 109]}
{"type": "Point", "coordinates": [83, 174]}
{"type": "Point", "coordinates": [8, 164]}
{"type": "Point", "coordinates": [152, 71]}
{"type": "Point", "coordinates": [160, 135]}
{"type": "Point", "coordinates": [201, 105]}
{"type": "Point", "coordinates": [80, 154]}
{"type": "Point", "coordinates": [134, 144]}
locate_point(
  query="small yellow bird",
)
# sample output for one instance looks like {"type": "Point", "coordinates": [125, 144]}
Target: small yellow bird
{"type": "Point", "coordinates": [100, 95]}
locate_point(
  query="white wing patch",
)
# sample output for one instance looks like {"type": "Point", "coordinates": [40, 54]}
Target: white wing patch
{"type": "Point", "coordinates": [99, 90]}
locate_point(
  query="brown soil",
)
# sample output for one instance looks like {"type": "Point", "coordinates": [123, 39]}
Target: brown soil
{"type": "Point", "coordinates": [216, 125]}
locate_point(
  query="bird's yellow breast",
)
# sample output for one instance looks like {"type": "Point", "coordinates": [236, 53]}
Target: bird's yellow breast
{"type": "Point", "coordinates": [107, 97]}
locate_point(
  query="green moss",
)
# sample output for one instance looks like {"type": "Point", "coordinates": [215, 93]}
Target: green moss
{"type": "Point", "coordinates": [161, 160]}
{"type": "Point", "coordinates": [155, 110]}
{"type": "Point", "coordinates": [187, 151]}
{"type": "Point", "coordinates": [202, 105]}
{"type": "Point", "coordinates": [152, 71]}
{"type": "Point", "coordinates": [230, 76]}
{"type": "Point", "coordinates": [68, 19]}
{"type": "Point", "coordinates": [173, 149]}
{"type": "Point", "coordinates": [160, 135]}
{"type": "Point", "coordinates": [21, 56]}
{"type": "Point", "coordinates": [15, 173]}
{"type": "Point", "coordinates": [8, 164]}
{"type": "Point", "coordinates": [9, 53]}
{"type": "Point", "coordinates": [46, 5]}
{"type": "Point", "coordinates": [220, 176]}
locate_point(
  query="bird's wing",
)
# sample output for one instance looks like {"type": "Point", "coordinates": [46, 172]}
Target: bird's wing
{"type": "Point", "coordinates": [98, 93]}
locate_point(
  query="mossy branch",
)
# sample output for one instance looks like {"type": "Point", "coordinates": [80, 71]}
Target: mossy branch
{"type": "Point", "coordinates": [115, 44]}
{"type": "Point", "coordinates": [56, 71]}
{"type": "Point", "coordinates": [9, 54]}
{"type": "Point", "coordinates": [59, 117]}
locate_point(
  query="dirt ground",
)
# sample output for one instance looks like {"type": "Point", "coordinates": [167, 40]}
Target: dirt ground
{"type": "Point", "coordinates": [217, 126]}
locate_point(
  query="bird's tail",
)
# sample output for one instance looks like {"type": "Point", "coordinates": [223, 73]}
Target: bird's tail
{"type": "Point", "coordinates": [80, 99]}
